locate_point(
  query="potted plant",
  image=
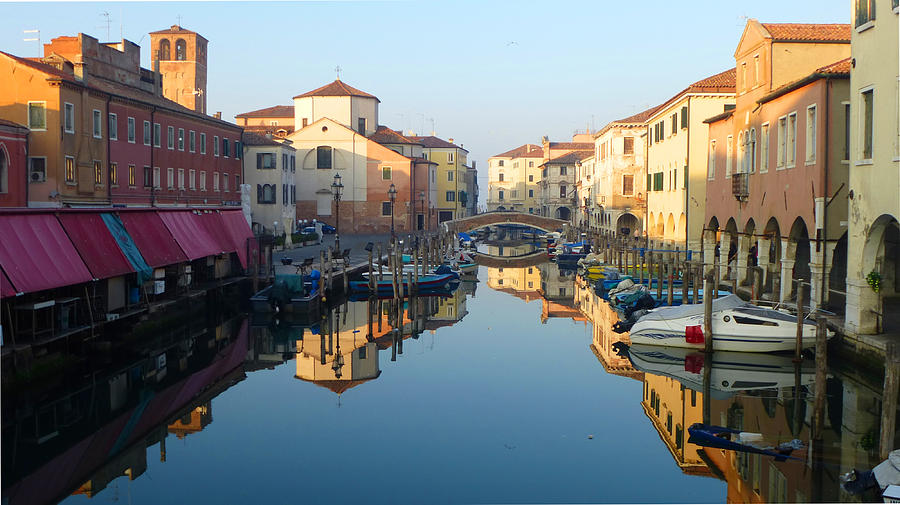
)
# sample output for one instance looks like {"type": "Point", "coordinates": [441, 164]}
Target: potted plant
{"type": "Point", "coordinates": [874, 281]}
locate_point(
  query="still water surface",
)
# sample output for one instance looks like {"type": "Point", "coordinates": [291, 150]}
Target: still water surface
{"type": "Point", "coordinates": [512, 393]}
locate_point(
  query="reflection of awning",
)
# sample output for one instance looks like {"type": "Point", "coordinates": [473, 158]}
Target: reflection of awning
{"type": "Point", "coordinates": [193, 238]}
{"type": "Point", "coordinates": [36, 254]}
{"type": "Point", "coordinates": [239, 231]}
{"type": "Point", "coordinates": [152, 238]}
{"type": "Point", "coordinates": [95, 243]}
{"type": "Point", "coordinates": [6, 287]}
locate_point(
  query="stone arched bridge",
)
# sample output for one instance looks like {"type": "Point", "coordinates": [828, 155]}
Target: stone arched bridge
{"type": "Point", "coordinates": [467, 224]}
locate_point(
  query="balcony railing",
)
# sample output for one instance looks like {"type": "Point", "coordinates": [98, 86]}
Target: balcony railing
{"type": "Point", "coordinates": [740, 186]}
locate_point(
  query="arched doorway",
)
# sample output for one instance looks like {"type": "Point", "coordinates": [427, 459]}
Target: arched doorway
{"type": "Point", "coordinates": [772, 263]}
{"type": "Point", "coordinates": [799, 238]}
{"type": "Point", "coordinates": [881, 259]}
{"type": "Point", "coordinates": [628, 224]}
{"type": "Point", "coordinates": [563, 213]}
{"type": "Point", "coordinates": [837, 278]}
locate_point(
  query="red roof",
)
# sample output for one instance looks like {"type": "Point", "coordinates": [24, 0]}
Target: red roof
{"type": "Point", "coordinates": [571, 145]}
{"type": "Point", "coordinates": [385, 135]}
{"type": "Point", "coordinates": [176, 29]}
{"type": "Point", "coordinates": [525, 150]}
{"type": "Point", "coordinates": [571, 157]}
{"type": "Point", "coordinates": [640, 117]}
{"type": "Point", "coordinates": [274, 111]}
{"type": "Point", "coordinates": [723, 82]}
{"type": "Point", "coordinates": [250, 138]}
{"type": "Point", "coordinates": [839, 67]}
{"type": "Point", "coordinates": [808, 32]}
{"type": "Point", "coordinates": [37, 254]}
{"type": "Point", "coordinates": [337, 88]}
{"type": "Point", "coordinates": [434, 142]}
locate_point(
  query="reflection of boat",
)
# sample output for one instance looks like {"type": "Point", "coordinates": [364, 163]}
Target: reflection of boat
{"type": "Point", "coordinates": [731, 371]}
{"type": "Point", "coordinates": [289, 293]}
{"type": "Point", "coordinates": [430, 281]}
{"type": "Point", "coordinates": [736, 326]}
{"type": "Point", "coordinates": [720, 437]}
{"type": "Point", "coordinates": [442, 292]}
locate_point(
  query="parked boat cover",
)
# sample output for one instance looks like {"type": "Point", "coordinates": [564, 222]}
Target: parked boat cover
{"type": "Point", "coordinates": [690, 310]}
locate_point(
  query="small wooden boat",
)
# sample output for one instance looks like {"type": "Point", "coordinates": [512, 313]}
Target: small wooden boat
{"type": "Point", "coordinates": [290, 293]}
{"type": "Point", "coordinates": [428, 281]}
{"type": "Point", "coordinates": [720, 437]}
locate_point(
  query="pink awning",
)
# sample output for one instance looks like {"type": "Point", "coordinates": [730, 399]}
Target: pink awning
{"type": "Point", "coordinates": [96, 245]}
{"type": "Point", "coordinates": [214, 225]}
{"type": "Point", "coordinates": [190, 234]}
{"type": "Point", "coordinates": [152, 238]}
{"type": "Point", "coordinates": [239, 231]}
{"type": "Point", "coordinates": [6, 287]}
{"type": "Point", "coordinates": [36, 254]}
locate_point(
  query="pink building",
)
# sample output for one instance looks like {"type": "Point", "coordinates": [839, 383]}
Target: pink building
{"type": "Point", "coordinates": [13, 162]}
{"type": "Point", "coordinates": [778, 163]}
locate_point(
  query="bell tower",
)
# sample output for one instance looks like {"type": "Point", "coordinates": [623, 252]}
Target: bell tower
{"type": "Point", "coordinates": [180, 56]}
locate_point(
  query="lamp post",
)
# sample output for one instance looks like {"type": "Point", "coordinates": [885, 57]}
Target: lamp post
{"type": "Point", "coordinates": [336, 189]}
{"type": "Point", "coordinates": [392, 194]}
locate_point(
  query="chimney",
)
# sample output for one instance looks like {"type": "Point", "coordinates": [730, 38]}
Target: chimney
{"type": "Point", "coordinates": [450, 140]}
{"type": "Point", "coordinates": [218, 115]}
{"type": "Point", "coordinates": [80, 68]}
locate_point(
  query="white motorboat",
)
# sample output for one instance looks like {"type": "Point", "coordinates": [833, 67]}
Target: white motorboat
{"type": "Point", "coordinates": [730, 371]}
{"type": "Point", "coordinates": [736, 326]}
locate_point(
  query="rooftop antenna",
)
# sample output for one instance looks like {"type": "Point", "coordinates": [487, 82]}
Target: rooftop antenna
{"type": "Point", "coordinates": [178, 17]}
{"type": "Point", "coordinates": [337, 70]}
{"type": "Point", "coordinates": [432, 126]}
{"type": "Point", "coordinates": [34, 39]}
{"type": "Point", "coordinates": [105, 14]}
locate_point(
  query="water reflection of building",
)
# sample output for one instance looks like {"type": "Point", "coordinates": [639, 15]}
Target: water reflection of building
{"type": "Point", "coordinates": [602, 317]}
{"type": "Point", "coordinates": [193, 421]}
{"type": "Point", "coordinates": [524, 282]}
{"type": "Point", "coordinates": [511, 249]}
{"type": "Point", "coordinates": [672, 408]}
{"type": "Point", "coordinates": [451, 308]}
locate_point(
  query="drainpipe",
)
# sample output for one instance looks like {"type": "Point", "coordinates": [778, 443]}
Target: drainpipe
{"type": "Point", "coordinates": [27, 174]}
{"type": "Point", "coordinates": [152, 168]}
{"type": "Point", "coordinates": [108, 152]}
{"type": "Point", "coordinates": [687, 182]}
{"type": "Point", "coordinates": [647, 196]}
{"type": "Point", "coordinates": [825, 192]}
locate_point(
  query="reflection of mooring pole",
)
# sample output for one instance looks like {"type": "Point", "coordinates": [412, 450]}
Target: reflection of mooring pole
{"type": "Point", "coordinates": [371, 308]}
{"type": "Point", "coordinates": [707, 378]}
{"type": "Point", "coordinates": [889, 398]}
{"type": "Point", "coordinates": [394, 344]}
{"type": "Point", "coordinates": [798, 348]}
{"type": "Point", "coordinates": [821, 368]}
{"type": "Point", "coordinates": [798, 412]}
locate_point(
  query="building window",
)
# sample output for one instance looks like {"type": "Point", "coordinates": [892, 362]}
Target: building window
{"type": "Point", "coordinates": [684, 117]}
{"type": "Point", "coordinates": [741, 145]}
{"type": "Point", "coordinates": [37, 169]}
{"type": "Point", "coordinates": [164, 50]}
{"type": "Point", "coordinates": [450, 157]}
{"type": "Point", "coordinates": [500, 177]}
{"type": "Point", "coordinates": [792, 139]}
{"type": "Point", "coordinates": [530, 164]}
{"type": "Point", "coordinates": [361, 125]}
{"type": "Point", "coordinates": [146, 133]}
{"type": "Point", "coordinates": [265, 193]}
{"type": "Point", "coordinates": [192, 141]}
{"type": "Point", "coordinates": [215, 145]}
{"type": "Point", "coordinates": [147, 177]}
{"type": "Point", "coordinates": [70, 169]}
{"type": "Point", "coordinates": [764, 148]}
{"type": "Point", "coordinates": [865, 11]}
{"type": "Point", "coordinates": [114, 174]}
{"type": "Point", "coordinates": [265, 161]}
{"type": "Point", "coordinates": [782, 137]}
{"type": "Point", "coordinates": [170, 138]}
{"type": "Point", "coordinates": [562, 170]}
{"type": "Point", "coordinates": [202, 143]}
{"type": "Point", "coordinates": [385, 173]}
{"type": "Point", "coordinates": [181, 178]}
{"type": "Point", "coordinates": [752, 150]}
{"type": "Point", "coordinates": [181, 139]}
{"type": "Point", "coordinates": [451, 196]}
{"type": "Point", "coordinates": [744, 84]}
{"type": "Point", "coordinates": [293, 163]}
{"type": "Point", "coordinates": [628, 145]}
{"type": "Point", "coordinates": [131, 128]}
{"type": "Point", "coordinates": [627, 185]}
{"type": "Point", "coordinates": [170, 178]}
{"type": "Point", "coordinates": [97, 126]}
{"type": "Point", "coordinates": [225, 151]}
{"type": "Point", "coordinates": [811, 134]}
{"type": "Point", "coordinates": [729, 155]}
{"type": "Point", "coordinates": [225, 187]}
{"type": "Point", "coordinates": [215, 181]}
{"type": "Point", "coordinates": [867, 130]}
{"type": "Point", "coordinates": [450, 175]}
{"type": "Point", "coordinates": [37, 116]}
{"type": "Point", "coordinates": [113, 127]}
{"type": "Point", "coordinates": [711, 164]}
{"type": "Point", "coordinates": [157, 135]}
{"type": "Point", "coordinates": [157, 178]}
{"type": "Point", "coordinates": [674, 123]}
{"type": "Point", "coordinates": [131, 176]}
{"type": "Point", "coordinates": [98, 173]}
{"type": "Point", "coordinates": [500, 195]}
{"type": "Point", "coordinates": [284, 162]}
{"type": "Point", "coordinates": [756, 75]}
{"type": "Point", "coordinates": [203, 180]}
{"type": "Point", "coordinates": [500, 163]}
{"type": "Point", "coordinates": [323, 157]}
{"type": "Point", "coordinates": [385, 208]}
{"type": "Point", "coordinates": [530, 193]}
{"type": "Point", "coordinates": [562, 191]}
{"type": "Point", "coordinates": [180, 50]}
{"type": "Point", "coordinates": [531, 178]}
{"type": "Point", "coordinates": [69, 118]}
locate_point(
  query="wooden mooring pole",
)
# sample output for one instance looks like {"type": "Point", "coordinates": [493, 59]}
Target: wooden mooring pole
{"type": "Point", "coordinates": [798, 347]}
{"type": "Point", "coordinates": [707, 314]}
{"type": "Point", "coordinates": [821, 369]}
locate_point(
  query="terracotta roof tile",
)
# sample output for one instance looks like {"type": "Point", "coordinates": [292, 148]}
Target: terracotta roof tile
{"type": "Point", "coordinates": [640, 117]}
{"type": "Point", "coordinates": [571, 157]}
{"type": "Point", "coordinates": [723, 81]}
{"type": "Point", "coordinates": [434, 142]}
{"type": "Point", "coordinates": [525, 150]}
{"type": "Point", "coordinates": [274, 111]}
{"type": "Point", "coordinates": [839, 67]}
{"type": "Point", "coordinates": [173, 29]}
{"type": "Point", "coordinates": [572, 145]}
{"type": "Point", "coordinates": [385, 135]}
{"type": "Point", "coordinates": [790, 32]}
{"type": "Point", "coordinates": [718, 117]}
{"type": "Point", "coordinates": [255, 139]}
{"type": "Point", "coordinates": [337, 88]}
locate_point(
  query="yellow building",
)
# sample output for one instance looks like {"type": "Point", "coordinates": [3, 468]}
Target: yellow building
{"type": "Point", "coordinates": [677, 158]}
{"type": "Point", "coordinates": [451, 160]}
{"type": "Point", "coordinates": [874, 207]}
{"type": "Point", "coordinates": [514, 177]}
{"type": "Point", "coordinates": [524, 283]}
{"type": "Point", "coordinates": [672, 408]}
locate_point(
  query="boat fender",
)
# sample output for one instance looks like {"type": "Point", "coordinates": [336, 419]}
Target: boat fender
{"type": "Point", "coordinates": [693, 334]}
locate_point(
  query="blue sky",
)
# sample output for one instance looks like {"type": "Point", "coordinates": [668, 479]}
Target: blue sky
{"type": "Point", "coordinates": [491, 75]}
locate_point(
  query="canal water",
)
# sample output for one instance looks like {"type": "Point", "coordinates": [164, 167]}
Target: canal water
{"type": "Point", "coordinates": [509, 390]}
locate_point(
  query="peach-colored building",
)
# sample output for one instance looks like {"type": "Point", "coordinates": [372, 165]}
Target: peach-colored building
{"type": "Point", "coordinates": [778, 160]}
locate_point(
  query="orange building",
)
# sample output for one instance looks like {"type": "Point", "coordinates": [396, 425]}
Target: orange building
{"type": "Point", "coordinates": [180, 56]}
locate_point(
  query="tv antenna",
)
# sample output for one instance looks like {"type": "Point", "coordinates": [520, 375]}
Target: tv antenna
{"type": "Point", "coordinates": [337, 70]}
{"type": "Point", "coordinates": [37, 38]}
{"type": "Point", "coordinates": [105, 14]}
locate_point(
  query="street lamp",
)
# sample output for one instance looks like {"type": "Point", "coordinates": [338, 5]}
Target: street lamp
{"type": "Point", "coordinates": [392, 194]}
{"type": "Point", "coordinates": [336, 189]}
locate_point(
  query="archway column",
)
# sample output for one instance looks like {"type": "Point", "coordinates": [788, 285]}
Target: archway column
{"type": "Point", "coordinates": [764, 261]}
{"type": "Point", "coordinates": [743, 249]}
{"type": "Point", "coordinates": [820, 270]}
{"type": "Point", "coordinates": [724, 247]}
{"type": "Point", "coordinates": [788, 248]}
{"type": "Point", "coordinates": [709, 249]}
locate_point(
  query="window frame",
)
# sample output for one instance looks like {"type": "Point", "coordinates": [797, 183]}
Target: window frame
{"type": "Point", "coordinates": [625, 178]}
{"type": "Point", "coordinates": [388, 171]}
{"type": "Point", "coordinates": [170, 178]}
{"type": "Point", "coordinates": [781, 147]}
{"type": "Point", "coordinates": [112, 173]}
{"type": "Point", "coordinates": [321, 160]}
{"type": "Point", "coordinates": [216, 146]}
{"type": "Point", "coordinates": [170, 138]}
{"type": "Point", "coordinates": [31, 168]}
{"type": "Point", "coordinates": [863, 126]}
{"type": "Point", "coordinates": [112, 130]}
{"type": "Point", "coordinates": [192, 141]}
{"type": "Point", "coordinates": [203, 143]}
{"type": "Point", "coordinates": [385, 205]}
{"type": "Point", "coordinates": [764, 145]}
{"type": "Point", "coordinates": [729, 155]}
{"type": "Point", "coordinates": [28, 106]}
{"type": "Point", "coordinates": [711, 161]}
{"type": "Point", "coordinates": [97, 123]}
{"type": "Point", "coordinates": [69, 170]}
{"type": "Point", "coordinates": [68, 117]}
{"type": "Point", "coordinates": [811, 133]}
{"type": "Point", "coordinates": [132, 175]}
{"type": "Point", "coordinates": [131, 130]}
{"type": "Point", "coordinates": [157, 135]}
{"type": "Point", "coordinates": [98, 173]}
{"type": "Point", "coordinates": [202, 180]}
{"type": "Point", "coordinates": [181, 139]}
{"type": "Point", "coordinates": [148, 177]}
